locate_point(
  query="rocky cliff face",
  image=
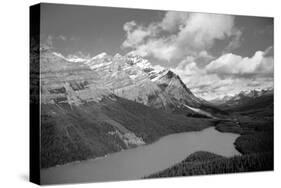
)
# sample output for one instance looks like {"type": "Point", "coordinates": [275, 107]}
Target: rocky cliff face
{"type": "Point", "coordinates": [67, 82]}
{"type": "Point", "coordinates": [134, 78]}
{"type": "Point", "coordinates": [93, 107]}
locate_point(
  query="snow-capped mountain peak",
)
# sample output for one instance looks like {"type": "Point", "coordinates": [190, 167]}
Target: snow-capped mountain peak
{"type": "Point", "coordinates": [245, 94]}
{"type": "Point", "coordinates": [99, 56]}
{"type": "Point", "coordinates": [135, 78]}
{"type": "Point", "coordinates": [76, 59]}
{"type": "Point", "coordinates": [139, 61]}
{"type": "Point", "coordinates": [71, 58]}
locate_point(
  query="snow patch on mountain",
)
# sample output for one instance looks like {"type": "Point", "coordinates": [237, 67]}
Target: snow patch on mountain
{"type": "Point", "coordinates": [72, 58]}
{"type": "Point", "coordinates": [251, 93]}
{"type": "Point", "coordinates": [135, 78]}
{"type": "Point", "coordinates": [200, 111]}
{"type": "Point", "coordinates": [99, 56]}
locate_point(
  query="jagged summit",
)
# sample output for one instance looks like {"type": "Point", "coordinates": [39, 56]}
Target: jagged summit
{"type": "Point", "coordinates": [135, 78]}
{"type": "Point", "coordinates": [243, 95]}
{"type": "Point", "coordinates": [71, 58]}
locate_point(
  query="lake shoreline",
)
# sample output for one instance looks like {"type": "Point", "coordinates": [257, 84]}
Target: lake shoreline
{"type": "Point", "coordinates": [107, 155]}
{"type": "Point", "coordinates": [141, 161]}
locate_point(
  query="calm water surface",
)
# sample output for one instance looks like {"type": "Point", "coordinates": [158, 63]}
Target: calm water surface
{"type": "Point", "coordinates": [144, 160]}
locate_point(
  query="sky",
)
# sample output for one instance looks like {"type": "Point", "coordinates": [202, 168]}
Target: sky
{"type": "Point", "coordinates": [214, 54]}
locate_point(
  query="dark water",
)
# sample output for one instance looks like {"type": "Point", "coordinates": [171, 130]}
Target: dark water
{"type": "Point", "coordinates": [144, 160]}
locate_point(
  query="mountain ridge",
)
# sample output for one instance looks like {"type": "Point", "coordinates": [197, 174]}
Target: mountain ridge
{"type": "Point", "coordinates": [135, 78]}
{"type": "Point", "coordinates": [242, 95]}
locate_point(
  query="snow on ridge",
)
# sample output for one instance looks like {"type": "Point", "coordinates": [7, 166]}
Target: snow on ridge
{"type": "Point", "coordinates": [133, 60]}
{"type": "Point", "coordinates": [59, 55]}
{"type": "Point", "coordinates": [99, 56]}
{"type": "Point", "coordinates": [99, 65]}
{"type": "Point", "coordinates": [200, 111]}
{"type": "Point", "coordinates": [74, 59]}
{"type": "Point", "coordinates": [160, 74]}
{"type": "Point", "coordinates": [143, 63]}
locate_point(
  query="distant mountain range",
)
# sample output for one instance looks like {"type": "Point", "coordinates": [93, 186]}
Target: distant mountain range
{"type": "Point", "coordinates": [242, 96]}
{"type": "Point", "coordinates": [247, 100]}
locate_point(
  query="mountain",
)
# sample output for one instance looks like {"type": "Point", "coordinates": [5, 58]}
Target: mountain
{"type": "Point", "coordinates": [97, 106]}
{"type": "Point", "coordinates": [221, 100]}
{"type": "Point", "coordinates": [135, 78]}
{"type": "Point", "coordinates": [251, 100]}
{"type": "Point", "coordinates": [242, 96]}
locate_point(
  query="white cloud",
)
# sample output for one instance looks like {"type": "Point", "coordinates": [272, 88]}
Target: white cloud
{"type": "Point", "coordinates": [268, 51]}
{"type": "Point", "coordinates": [135, 34]}
{"type": "Point", "coordinates": [205, 54]}
{"type": "Point", "coordinates": [178, 34]}
{"type": "Point", "coordinates": [173, 20]}
{"type": "Point", "coordinates": [159, 49]}
{"type": "Point", "coordinates": [231, 64]}
{"type": "Point", "coordinates": [227, 75]}
{"type": "Point", "coordinates": [200, 30]}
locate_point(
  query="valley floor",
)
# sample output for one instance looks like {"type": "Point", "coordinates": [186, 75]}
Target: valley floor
{"type": "Point", "coordinates": [70, 134]}
{"type": "Point", "coordinates": [255, 143]}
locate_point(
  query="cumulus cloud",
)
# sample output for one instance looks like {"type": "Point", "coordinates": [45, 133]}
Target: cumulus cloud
{"type": "Point", "coordinates": [178, 34]}
{"type": "Point", "coordinates": [158, 48]}
{"type": "Point", "coordinates": [269, 52]}
{"type": "Point", "coordinates": [173, 21]}
{"type": "Point", "coordinates": [231, 64]}
{"type": "Point", "coordinates": [200, 30]}
{"type": "Point", "coordinates": [228, 74]}
{"type": "Point", "coordinates": [135, 34]}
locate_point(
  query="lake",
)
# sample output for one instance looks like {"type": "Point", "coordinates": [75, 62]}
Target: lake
{"type": "Point", "coordinates": [144, 160]}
